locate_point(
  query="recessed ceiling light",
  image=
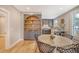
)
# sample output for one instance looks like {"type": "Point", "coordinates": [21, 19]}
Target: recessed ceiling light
{"type": "Point", "coordinates": [27, 8]}
{"type": "Point", "coordinates": [61, 8]}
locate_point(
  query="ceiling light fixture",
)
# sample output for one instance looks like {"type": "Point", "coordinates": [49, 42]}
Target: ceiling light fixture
{"type": "Point", "coordinates": [61, 8]}
{"type": "Point", "coordinates": [27, 8]}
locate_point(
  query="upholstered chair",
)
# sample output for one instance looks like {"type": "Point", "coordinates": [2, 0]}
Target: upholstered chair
{"type": "Point", "coordinates": [43, 47]}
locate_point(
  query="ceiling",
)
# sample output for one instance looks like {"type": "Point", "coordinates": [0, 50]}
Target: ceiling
{"type": "Point", "coordinates": [47, 11]}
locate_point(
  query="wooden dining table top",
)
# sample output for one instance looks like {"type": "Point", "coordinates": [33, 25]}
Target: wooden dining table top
{"type": "Point", "coordinates": [58, 41]}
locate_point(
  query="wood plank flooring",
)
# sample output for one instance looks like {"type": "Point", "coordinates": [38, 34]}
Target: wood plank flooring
{"type": "Point", "coordinates": [2, 42]}
{"type": "Point", "coordinates": [26, 46]}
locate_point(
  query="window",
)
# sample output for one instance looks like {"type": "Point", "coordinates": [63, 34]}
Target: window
{"type": "Point", "coordinates": [75, 24]}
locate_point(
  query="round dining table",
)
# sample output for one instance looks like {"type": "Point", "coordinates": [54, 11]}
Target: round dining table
{"type": "Point", "coordinates": [57, 41]}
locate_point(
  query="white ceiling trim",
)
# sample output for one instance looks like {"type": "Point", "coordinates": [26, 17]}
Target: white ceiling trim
{"type": "Point", "coordinates": [47, 11]}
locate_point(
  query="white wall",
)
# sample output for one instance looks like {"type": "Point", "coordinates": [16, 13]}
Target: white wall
{"type": "Point", "coordinates": [15, 25]}
{"type": "Point", "coordinates": [68, 17]}
{"type": "Point", "coordinates": [67, 20]}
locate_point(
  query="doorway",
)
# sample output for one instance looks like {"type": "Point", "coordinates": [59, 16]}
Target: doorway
{"type": "Point", "coordinates": [2, 32]}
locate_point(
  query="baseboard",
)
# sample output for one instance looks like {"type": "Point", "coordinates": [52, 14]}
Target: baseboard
{"type": "Point", "coordinates": [15, 43]}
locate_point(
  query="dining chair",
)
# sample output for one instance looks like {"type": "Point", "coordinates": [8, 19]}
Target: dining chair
{"type": "Point", "coordinates": [70, 50]}
{"type": "Point", "coordinates": [43, 47]}
{"type": "Point", "coordinates": [68, 36]}
{"type": "Point", "coordinates": [63, 50]}
{"type": "Point", "coordinates": [60, 49]}
{"type": "Point", "coordinates": [76, 47]}
{"type": "Point", "coordinates": [75, 39]}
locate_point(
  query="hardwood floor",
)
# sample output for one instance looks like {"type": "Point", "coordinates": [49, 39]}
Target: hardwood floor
{"type": "Point", "coordinates": [2, 42]}
{"type": "Point", "coordinates": [26, 46]}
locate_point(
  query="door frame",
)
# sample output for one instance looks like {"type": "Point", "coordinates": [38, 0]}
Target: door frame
{"type": "Point", "coordinates": [5, 13]}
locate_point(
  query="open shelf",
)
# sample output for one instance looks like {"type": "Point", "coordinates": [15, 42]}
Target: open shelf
{"type": "Point", "coordinates": [32, 24]}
